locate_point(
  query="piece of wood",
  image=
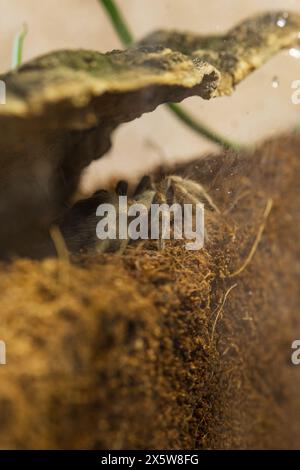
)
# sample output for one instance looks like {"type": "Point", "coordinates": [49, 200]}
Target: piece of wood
{"type": "Point", "coordinates": [62, 108]}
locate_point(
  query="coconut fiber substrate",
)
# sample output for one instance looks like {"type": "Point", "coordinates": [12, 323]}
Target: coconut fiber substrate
{"type": "Point", "coordinates": [170, 349]}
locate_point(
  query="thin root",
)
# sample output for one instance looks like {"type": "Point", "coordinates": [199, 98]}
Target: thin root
{"type": "Point", "coordinates": [62, 251]}
{"type": "Point", "coordinates": [219, 311]}
{"type": "Point", "coordinates": [257, 240]}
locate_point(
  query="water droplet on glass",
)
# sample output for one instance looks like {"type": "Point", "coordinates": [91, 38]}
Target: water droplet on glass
{"type": "Point", "coordinates": [295, 52]}
{"type": "Point", "coordinates": [275, 82]}
{"type": "Point", "coordinates": [281, 22]}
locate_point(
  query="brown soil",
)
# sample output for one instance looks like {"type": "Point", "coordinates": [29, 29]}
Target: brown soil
{"type": "Point", "coordinates": [156, 349]}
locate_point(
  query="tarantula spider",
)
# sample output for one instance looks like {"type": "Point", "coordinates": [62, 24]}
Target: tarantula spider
{"type": "Point", "coordinates": [79, 226]}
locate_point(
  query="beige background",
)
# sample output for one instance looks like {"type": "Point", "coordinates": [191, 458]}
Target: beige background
{"type": "Point", "coordinates": [257, 110]}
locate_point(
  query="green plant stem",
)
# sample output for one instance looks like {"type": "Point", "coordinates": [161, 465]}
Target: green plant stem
{"type": "Point", "coordinates": [18, 47]}
{"type": "Point", "coordinates": [118, 21]}
{"type": "Point", "coordinates": [127, 39]}
{"type": "Point", "coordinates": [200, 128]}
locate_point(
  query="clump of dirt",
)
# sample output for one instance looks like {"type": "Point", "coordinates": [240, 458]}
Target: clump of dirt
{"type": "Point", "coordinates": [166, 349]}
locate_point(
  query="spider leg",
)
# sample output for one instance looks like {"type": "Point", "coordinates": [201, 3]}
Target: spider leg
{"type": "Point", "coordinates": [190, 192]}
{"type": "Point", "coordinates": [193, 191]}
{"type": "Point", "coordinates": [161, 198]}
{"type": "Point", "coordinates": [145, 184]}
{"type": "Point", "coordinates": [117, 244]}
{"type": "Point", "coordinates": [121, 188]}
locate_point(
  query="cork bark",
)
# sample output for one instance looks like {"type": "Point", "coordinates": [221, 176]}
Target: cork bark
{"type": "Point", "coordinates": [63, 107]}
